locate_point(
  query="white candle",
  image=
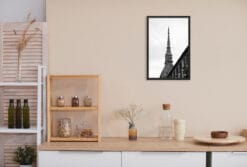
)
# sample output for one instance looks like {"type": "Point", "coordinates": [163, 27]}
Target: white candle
{"type": "Point", "coordinates": [179, 128]}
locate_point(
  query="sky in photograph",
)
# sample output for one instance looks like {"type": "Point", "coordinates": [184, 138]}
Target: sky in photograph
{"type": "Point", "coordinates": [158, 28]}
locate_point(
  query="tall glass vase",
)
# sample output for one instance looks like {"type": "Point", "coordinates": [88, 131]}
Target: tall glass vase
{"type": "Point", "coordinates": [18, 74]}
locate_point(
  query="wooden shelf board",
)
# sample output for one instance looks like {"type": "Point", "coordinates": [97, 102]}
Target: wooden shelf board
{"type": "Point", "coordinates": [73, 76]}
{"type": "Point", "coordinates": [7, 130]}
{"type": "Point", "coordinates": [95, 138]}
{"type": "Point", "coordinates": [73, 108]}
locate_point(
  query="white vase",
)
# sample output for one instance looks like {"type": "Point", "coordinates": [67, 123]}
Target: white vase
{"type": "Point", "coordinates": [26, 165]}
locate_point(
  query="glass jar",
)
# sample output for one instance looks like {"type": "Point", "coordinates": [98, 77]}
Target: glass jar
{"type": "Point", "coordinates": [166, 122]}
{"type": "Point", "coordinates": [87, 101]}
{"type": "Point", "coordinates": [64, 127]}
{"type": "Point", "coordinates": [60, 101]}
{"type": "Point", "coordinates": [75, 101]}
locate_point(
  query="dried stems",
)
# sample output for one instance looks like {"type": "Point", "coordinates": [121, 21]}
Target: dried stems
{"type": "Point", "coordinates": [23, 42]}
{"type": "Point", "coordinates": [130, 113]}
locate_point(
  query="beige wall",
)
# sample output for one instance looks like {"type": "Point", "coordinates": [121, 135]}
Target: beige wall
{"type": "Point", "coordinates": [108, 37]}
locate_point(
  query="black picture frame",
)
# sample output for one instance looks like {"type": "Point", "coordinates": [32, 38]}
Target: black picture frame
{"type": "Point", "coordinates": [179, 69]}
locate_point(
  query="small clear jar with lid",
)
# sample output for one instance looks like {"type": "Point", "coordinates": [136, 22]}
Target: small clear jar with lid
{"type": "Point", "coordinates": [75, 101]}
{"type": "Point", "coordinates": [87, 101]}
{"type": "Point", "coordinates": [60, 102]}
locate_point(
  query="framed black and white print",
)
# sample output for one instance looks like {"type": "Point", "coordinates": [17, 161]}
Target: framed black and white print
{"type": "Point", "coordinates": [168, 47]}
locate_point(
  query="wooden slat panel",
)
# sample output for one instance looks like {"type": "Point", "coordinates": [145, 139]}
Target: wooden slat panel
{"type": "Point", "coordinates": [31, 55]}
{"type": "Point", "coordinates": [9, 155]}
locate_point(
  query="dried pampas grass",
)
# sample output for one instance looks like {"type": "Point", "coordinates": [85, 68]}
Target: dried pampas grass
{"type": "Point", "coordinates": [23, 41]}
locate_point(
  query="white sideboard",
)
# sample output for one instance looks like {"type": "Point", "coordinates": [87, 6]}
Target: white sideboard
{"type": "Point", "coordinates": [161, 159]}
{"type": "Point", "coordinates": [79, 159]}
{"type": "Point", "coordinates": [229, 159]}
{"type": "Point", "coordinates": [120, 159]}
{"type": "Point", "coordinates": [145, 152]}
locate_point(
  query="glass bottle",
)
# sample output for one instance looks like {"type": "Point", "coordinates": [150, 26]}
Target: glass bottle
{"type": "Point", "coordinates": [18, 114]}
{"type": "Point", "coordinates": [166, 129]}
{"type": "Point", "coordinates": [25, 114]}
{"type": "Point", "coordinates": [11, 114]}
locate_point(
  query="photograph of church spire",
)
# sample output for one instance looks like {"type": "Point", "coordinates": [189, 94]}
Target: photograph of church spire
{"type": "Point", "coordinates": [168, 47]}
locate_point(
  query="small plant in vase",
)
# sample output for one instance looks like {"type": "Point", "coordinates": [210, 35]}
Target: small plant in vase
{"type": "Point", "coordinates": [25, 156]}
{"type": "Point", "coordinates": [130, 114]}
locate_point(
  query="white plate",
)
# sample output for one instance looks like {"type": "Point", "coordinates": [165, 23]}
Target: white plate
{"type": "Point", "coordinates": [228, 140]}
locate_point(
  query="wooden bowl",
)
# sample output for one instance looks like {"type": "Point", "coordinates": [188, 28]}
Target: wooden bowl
{"type": "Point", "coordinates": [86, 133]}
{"type": "Point", "coordinates": [219, 134]}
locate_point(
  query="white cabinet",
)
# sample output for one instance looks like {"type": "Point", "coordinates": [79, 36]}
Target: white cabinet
{"type": "Point", "coordinates": [229, 159]}
{"type": "Point", "coordinates": [120, 159]}
{"type": "Point", "coordinates": [79, 159]}
{"type": "Point", "coordinates": [161, 159]}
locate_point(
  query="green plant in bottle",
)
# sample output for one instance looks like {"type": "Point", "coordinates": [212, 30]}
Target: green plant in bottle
{"type": "Point", "coordinates": [11, 114]}
{"type": "Point", "coordinates": [25, 114]}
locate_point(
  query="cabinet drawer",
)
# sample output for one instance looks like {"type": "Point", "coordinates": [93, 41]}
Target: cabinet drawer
{"type": "Point", "coordinates": [230, 159]}
{"type": "Point", "coordinates": [161, 159]}
{"type": "Point", "coordinates": [78, 159]}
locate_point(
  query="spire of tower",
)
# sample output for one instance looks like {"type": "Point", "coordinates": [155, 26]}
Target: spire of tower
{"type": "Point", "coordinates": [168, 47]}
{"type": "Point", "coordinates": [168, 38]}
{"type": "Point", "coordinates": [168, 58]}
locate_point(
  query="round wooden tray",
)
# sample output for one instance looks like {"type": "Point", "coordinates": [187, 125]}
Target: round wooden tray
{"type": "Point", "coordinates": [226, 141]}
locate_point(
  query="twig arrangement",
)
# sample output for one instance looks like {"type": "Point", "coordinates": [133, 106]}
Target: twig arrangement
{"type": "Point", "coordinates": [130, 113]}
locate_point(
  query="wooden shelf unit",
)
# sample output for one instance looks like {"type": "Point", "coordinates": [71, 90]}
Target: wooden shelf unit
{"type": "Point", "coordinates": [67, 85]}
{"type": "Point", "coordinates": [67, 108]}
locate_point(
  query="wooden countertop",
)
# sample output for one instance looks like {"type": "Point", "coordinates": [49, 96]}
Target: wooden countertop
{"type": "Point", "coordinates": [142, 144]}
